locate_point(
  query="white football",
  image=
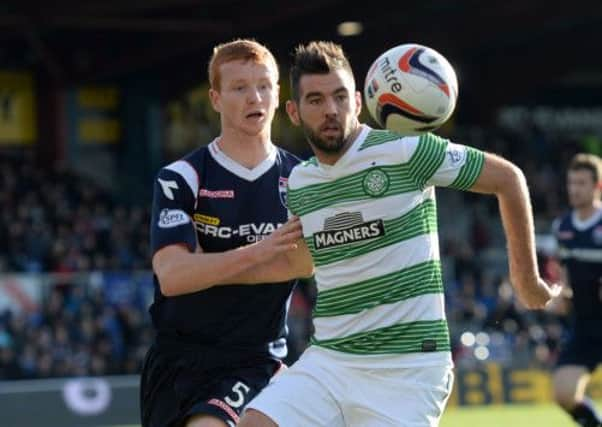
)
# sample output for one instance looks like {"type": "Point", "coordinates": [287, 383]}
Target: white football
{"type": "Point", "coordinates": [411, 89]}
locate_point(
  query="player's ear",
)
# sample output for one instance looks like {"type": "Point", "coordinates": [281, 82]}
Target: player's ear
{"type": "Point", "coordinates": [293, 112]}
{"type": "Point", "coordinates": [215, 99]}
{"type": "Point", "coordinates": [277, 95]}
{"type": "Point", "coordinates": [358, 103]}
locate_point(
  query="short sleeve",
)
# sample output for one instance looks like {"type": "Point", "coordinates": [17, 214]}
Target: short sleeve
{"type": "Point", "coordinates": [437, 161]}
{"type": "Point", "coordinates": [172, 211]}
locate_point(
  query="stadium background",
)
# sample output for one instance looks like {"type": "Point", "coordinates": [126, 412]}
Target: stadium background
{"type": "Point", "coordinates": [96, 95]}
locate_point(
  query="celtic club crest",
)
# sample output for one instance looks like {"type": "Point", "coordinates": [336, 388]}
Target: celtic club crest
{"type": "Point", "coordinates": [376, 182]}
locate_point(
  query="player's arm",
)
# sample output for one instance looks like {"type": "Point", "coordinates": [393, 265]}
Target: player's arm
{"type": "Point", "coordinates": [507, 182]}
{"type": "Point", "coordinates": [563, 279]}
{"type": "Point", "coordinates": [181, 272]}
{"type": "Point", "coordinates": [560, 306]}
{"type": "Point", "coordinates": [292, 264]}
{"type": "Point", "coordinates": [178, 261]}
{"type": "Point", "coordinates": [436, 161]}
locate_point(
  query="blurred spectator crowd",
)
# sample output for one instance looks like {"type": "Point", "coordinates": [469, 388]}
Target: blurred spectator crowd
{"type": "Point", "coordinates": [73, 333]}
{"type": "Point", "coordinates": [53, 222]}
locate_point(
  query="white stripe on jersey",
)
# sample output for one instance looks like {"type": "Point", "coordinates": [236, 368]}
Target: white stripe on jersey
{"type": "Point", "coordinates": [186, 171]}
{"type": "Point", "coordinates": [422, 163]}
{"type": "Point", "coordinates": [581, 254]}
{"type": "Point", "coordinates": [393, 153]}
{"type": "Point", "coordinates": [388, 361]}
{"type": "Point", "coordinates": [423, 307]}
{"type": "Point", "coordinates": [379, 262]}
{"type": "Point", "coordinates": [384, 208]}
{"type": "Point", "coordinates": [455, 157]}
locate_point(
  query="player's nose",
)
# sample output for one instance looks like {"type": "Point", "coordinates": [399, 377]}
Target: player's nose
{"type": "Point", "coordinates": [330, 107]}
{"type": "Point", "coordinates": [253, 96]}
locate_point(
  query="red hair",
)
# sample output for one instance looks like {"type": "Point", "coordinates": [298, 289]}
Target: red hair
{"type": "Point", "coordinates": [240, 49]}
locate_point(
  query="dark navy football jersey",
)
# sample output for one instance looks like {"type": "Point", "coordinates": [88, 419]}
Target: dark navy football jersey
{"type": "Point", "coordinates": [580, 251]}
{"type": "Point", "coordinates": [209, 199]}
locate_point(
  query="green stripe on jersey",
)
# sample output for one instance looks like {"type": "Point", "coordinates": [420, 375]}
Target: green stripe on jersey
{"type": "Point", "coordinates": [304, 200]}
{"type": "Point", "coordinates": [428, 157]}
{"type": "Point", "coordinates": [402, 178]}
{"type": "Point", "coordinates": [420, 279]}
{"type": "Point", "coordinates": [377, 137]}
{"type": "Point", "coordinates": [414, 337]}
{"type": "Point", "coordinates": [422, 219]}
{"type": "Point", "coordinates": [475, 159]}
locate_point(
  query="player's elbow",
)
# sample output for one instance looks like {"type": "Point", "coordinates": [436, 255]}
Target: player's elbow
{"type": "Point", "coordinates": [167, 281]}
{"type": "Point", "coordinates": [168, 290]}
{"type": "Point", "coordinates": [499, 177]}
{"type": "Point", "coordinates": [503, 178]}
{"type": "Point", "coordinates": [512, 181]}
{"type": "Point", "coordinates": [168, 272]}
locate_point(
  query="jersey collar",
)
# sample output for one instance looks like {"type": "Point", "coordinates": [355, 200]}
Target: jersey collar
{"type": "Point", "coordinates": [349, 153]}
{"type": "Point", "coordinates": [239, 170]}
{"type": "Point", "coordinates": [587, 223]}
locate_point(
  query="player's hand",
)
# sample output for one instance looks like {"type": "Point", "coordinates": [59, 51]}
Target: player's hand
{"type": "Point", "coordinates": [282, 240]}
{"type": "Point", "coordinates": [538, 295]}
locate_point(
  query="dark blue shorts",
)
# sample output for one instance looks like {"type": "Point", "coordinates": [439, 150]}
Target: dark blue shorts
{"type": "Point", "coordinates": [581, 351]}
{"type": "Point", "coordinates": [178, 385]}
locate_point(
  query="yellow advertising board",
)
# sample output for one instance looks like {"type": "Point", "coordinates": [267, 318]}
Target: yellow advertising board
{"type": "Point", "coordinates": [97, 115]}
{"type": "Point", "coordinates": [493, 384]}
{"type": "Point", "coordinates": [17, 108]}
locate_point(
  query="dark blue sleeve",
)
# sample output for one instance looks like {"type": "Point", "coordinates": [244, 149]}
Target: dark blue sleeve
{"type": "Point", "coordinates": [173, 208]}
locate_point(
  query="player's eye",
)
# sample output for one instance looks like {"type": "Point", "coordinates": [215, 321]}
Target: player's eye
{"type": "Point", "coordinates": [314, 101]}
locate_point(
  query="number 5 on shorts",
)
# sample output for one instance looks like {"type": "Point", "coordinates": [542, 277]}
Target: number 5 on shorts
{"type": "Point", "coordinates": [240, 389]}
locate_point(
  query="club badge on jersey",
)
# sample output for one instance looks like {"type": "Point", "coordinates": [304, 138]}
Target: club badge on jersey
{"type": "Point", "coordinates": [282, 186]}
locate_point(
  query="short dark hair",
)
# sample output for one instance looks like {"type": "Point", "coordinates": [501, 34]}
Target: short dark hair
{"type": "Point", "coordinates": [317, 57]}
{"type": "Point", "coordinates": [590, 162]}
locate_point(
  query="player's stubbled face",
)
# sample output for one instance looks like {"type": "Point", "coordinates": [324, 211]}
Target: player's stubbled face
{"type": "Point", "coordinates": [248, 96]}
{"type": "Point", "coordinates": [328, 109]}
{"type": "Point", "coordinates": [580, 187]}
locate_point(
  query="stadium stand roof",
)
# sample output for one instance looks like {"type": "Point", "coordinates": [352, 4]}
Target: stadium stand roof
{"type": "Point", "coordinates": [504, 48]}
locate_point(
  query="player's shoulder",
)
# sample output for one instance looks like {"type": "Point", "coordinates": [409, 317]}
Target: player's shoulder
{"type": "Point", "coordinates": [599, 216]}
{"type": "Point", "coordinates": [399, 147]}
{"type": "Point", "coordinates": [302, 171]}
{"type": "Point", "coordinates": [192, 159]}
{"type": "Point", "coordinates": [430, 142]}
{"type": "Point", "coordinates": [186, 169]}
{"type": "Point", "coordinates": [374, 137]}
{"type": "Point", "coordinates": [563, 222]}
{"type": "Point", "coordinates": [381, 138]}
{"type": "Point", "coordinates": [286, 159]}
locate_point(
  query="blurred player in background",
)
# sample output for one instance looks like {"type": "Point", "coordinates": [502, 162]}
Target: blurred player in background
{"type": "Point", "coordinates": [579, 236]}
{"type": "Point", "coordinates": [380, 355]}
{"type": "Point", "coordinates": [216, 213]}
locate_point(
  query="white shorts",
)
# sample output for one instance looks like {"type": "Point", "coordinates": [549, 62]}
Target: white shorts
{"type": "Point", "coordinates": [317, 391]}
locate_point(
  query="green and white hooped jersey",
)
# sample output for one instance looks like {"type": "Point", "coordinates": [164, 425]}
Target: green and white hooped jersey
{"type": "Point", "coordinates": [370, 223]}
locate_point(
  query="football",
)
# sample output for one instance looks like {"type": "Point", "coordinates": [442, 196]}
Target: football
{"type": "Point", "coordinates": [411, 89]}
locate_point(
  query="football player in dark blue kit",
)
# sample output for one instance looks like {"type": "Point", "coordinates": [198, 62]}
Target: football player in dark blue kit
{"type": "Point", "coordinates": [217, 214]}
{"type": "Point", "coordinates": [579, 236]}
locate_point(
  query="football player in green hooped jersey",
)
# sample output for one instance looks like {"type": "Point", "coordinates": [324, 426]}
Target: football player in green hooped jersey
{"type": "Point", "coordinates": [380, 355]}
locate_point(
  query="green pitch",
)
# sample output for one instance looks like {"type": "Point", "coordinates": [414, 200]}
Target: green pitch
{"type": "Point", "coordinates": [516, 415]}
